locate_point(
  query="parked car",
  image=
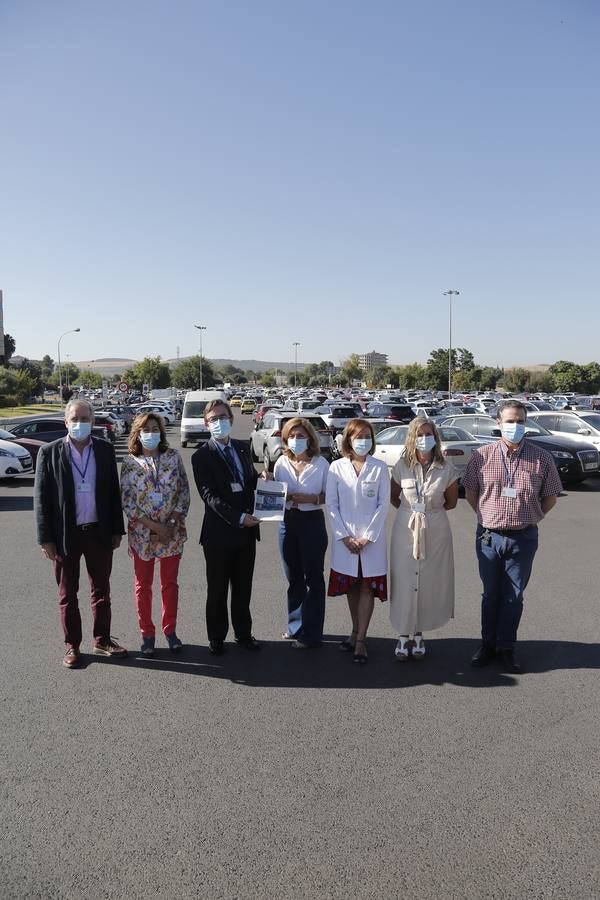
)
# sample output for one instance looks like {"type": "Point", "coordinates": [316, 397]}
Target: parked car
{"type": "Point", "coordinates": [49, 428]}
{"type": "Point", "coordinates": [117, 422]}
{"type": "Point", "coordinates": [584, 425]}
{"type": "Point", "coordinates": [30, 444]}
{"type": "Point", "coordinates": [192, 426]}
{"type": "Point", "coordinates": [14, 459]}
{"type": "Point", "coordinates": [126, 413]}
{"type": "Point", "coordinates": [236, 400]}
{"type": "Point", "coordinates": [378, 425]}
{"type": "Point", "coordinates": [266, 444]}
{"type": "Point", "coordinates": [339, 414]}
{"type": "Point", "coordinates": [167, 414]}
{"type": "Point", "coordinates": [457, 445]}
{"type": "Point", "coordinates": [247, 406]}
{"type": "Point", "coordinates": [574, 459]}
{"type": "Point", "coordinates": [400, 412]}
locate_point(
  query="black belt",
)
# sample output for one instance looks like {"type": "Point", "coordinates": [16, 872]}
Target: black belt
{"type": "Point", "coordinates": [508, 532]}
{"type": "Point", "coordinates": [87, 526]}
{"type": "Point", "coordinates": [304, 512]}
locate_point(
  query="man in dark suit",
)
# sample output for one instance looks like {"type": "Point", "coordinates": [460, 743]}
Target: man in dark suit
{"type": "Point", "coordinates": [226, 479]}
{"type": "Point", "coordinates": [78, 513]}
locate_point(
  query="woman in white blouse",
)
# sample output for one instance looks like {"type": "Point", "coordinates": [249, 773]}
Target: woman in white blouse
{"type": "Point", "coordinates": [302, 534]}
{"type": "Point", "coordinates": [358, 499]}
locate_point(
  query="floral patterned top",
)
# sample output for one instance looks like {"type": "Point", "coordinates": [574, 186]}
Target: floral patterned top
{"type": "Point", "coordinates": [154, 487]}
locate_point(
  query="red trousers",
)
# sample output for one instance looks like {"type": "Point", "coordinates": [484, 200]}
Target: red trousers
{"type": "Point", "coordinates": [144, 576]}
{"type": "Point", "coordinates": [98, 561]}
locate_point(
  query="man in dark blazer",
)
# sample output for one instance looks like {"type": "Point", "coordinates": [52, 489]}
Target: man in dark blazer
{"type": "Point", "coordinates": [78, 513]}
{"type": "Point", "coordinates": [226, 480]}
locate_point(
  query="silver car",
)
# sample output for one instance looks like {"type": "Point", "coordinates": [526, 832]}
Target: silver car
{"type": "Point", "coordinates": [266, 444]}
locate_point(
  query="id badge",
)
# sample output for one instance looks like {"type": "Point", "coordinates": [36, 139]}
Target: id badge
{"type": "Point", "coordinates": [419, 506]}
{"type": "Point", "coordinates": [156, 498]}
{"type": "Point", "coordinates": [84, 488]}
{"type": "Point", "coordinates": [368, 490]}
{"type": "Point", "coordinates": [509, 492]}
{"type": "Point", "coordinates": [236, 487]}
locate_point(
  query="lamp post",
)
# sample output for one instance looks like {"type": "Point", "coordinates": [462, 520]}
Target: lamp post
{"type": "Point", "coordinates": [295, 345]}
{"type": "Point", "coordinates": [201, 328]}
{"type": "Point", "coordinates": [71, 331]}
{"type": "Point", "coordinates": [449, 295]}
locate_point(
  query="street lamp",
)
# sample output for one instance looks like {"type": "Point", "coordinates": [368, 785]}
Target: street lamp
{"type": "Point", "coordinates": [449, 295]}
{"type": "Point", "coordinates": [71, 331]}
{"type": "Point", "coordinates": [201, 328]}
{"type": "Point", "coordinates": [295, 345]}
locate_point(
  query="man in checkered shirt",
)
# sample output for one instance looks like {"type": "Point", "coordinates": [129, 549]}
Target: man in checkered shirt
{"type": "Point", "coordinates": [511, 484]}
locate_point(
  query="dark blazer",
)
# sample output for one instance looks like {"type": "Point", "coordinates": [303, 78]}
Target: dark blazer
{"type": "Point", "coordinates": [55, 495]}
{"type": "Point", "coordinates": [223, 507]}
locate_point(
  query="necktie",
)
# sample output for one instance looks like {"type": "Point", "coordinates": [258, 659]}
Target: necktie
{"type": "Point", "coordinates": [229, 458]}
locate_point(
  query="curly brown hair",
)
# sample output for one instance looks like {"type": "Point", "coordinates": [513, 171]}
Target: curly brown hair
{"type": "Point", "coordinates": [313, 448]}
{"type": "Point", "coordinates": [134, 445]}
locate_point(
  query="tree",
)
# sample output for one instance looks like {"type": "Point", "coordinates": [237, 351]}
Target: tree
{"type": "Point", "coordinates": [90, 379]}
{"type": "Point", "coordinates": [186, 374]}
{"type": "Point", "coordinates": [567, 376]}
{"type": "Point", "coordinates": [133, 379]}
{"type": "Point", "coordinates": [488, 378]}
{"type": "Point", "coordinates": [414, 375]}
{"type": "Point", "coordinates": [47, 367]}
{"type": "Point", "coordinates": [379, 376]}
{"type": "Point", "coordinates": [437, 369]}
{"type": "Point", "coordinates": [463, 381]}
{"type": "Point", "coordinates": [351, 370]}
{"type": "Point", "coordinates": [153, 372]}
{"type": "Point", "coordinates": [516, 380]}
{"type": "Point", "coordinates": [540, 381]}
{"type": "Point", "coordinates": [465, 361]}
{"type": "Point", "coordinates": [8, 387]}
{"type": "Point", "coordinates": [592, 377]}
{"type": "Point", "coordinates": [9, 347]}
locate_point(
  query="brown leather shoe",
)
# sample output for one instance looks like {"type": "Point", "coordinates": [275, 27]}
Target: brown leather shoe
{"type": "Point", "coordinates": [71, 658]}
{"type": "Point", "coordinates": [108, 647]}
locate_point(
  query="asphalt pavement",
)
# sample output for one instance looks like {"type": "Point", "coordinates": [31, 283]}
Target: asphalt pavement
{"type": "Point", "coordinates": [286, 774]}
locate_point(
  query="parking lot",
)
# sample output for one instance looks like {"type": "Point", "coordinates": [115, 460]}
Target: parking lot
{"type": "Point", "coordinates": [299, 775]}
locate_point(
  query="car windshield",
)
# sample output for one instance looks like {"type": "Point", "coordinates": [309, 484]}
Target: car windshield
{"type": "Point", "coordinates": [194, 409]}
{"type": "Point", "coordinates": [535, 428]}
{"type": "Point", "coordinates": [449, 435]}
{"type": "Point", "coordinates": [6, 435]}
{"type": "Point", "coordinates": [592, 421]}
{"type": "Point", "coordinates": [393, 435]}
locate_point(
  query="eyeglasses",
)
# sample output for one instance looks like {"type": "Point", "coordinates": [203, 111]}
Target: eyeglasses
{"type": "Point", "coordinates": [213, 419]}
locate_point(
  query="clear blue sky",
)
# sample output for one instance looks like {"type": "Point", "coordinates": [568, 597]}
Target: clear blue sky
{"type": "Point", "coordinates": [310, 171]}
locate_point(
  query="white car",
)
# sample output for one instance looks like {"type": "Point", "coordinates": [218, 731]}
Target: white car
{"type": "Point", "coordinates": [457, 445]}
{"type": "Point", "coordinates": [119, 422]}
{"type": "Point", "coordinates": [167, 414]}
{"type": "Point", "coordinates": [14, 460]}
{"type": "Point", "coordinates": [583, 425]}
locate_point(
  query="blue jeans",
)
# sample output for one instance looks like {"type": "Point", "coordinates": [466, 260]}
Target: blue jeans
{"type": "Point", "coordinates": [505, 568]}
{"type": "Point", "coordinates": [302, 544]}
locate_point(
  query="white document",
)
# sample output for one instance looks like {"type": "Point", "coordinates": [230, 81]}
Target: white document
{"type": "Point", "coordinates": [269, 500]}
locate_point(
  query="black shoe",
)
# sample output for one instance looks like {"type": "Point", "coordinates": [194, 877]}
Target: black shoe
{"type": "Point", "coordinates": [483, 656]}
{"type": "Point", "coordinates": [509, 662]}
{"type": "Point", "coordinates": [217, 648]}
{"type": "Point", "coordinates": [249, 643]}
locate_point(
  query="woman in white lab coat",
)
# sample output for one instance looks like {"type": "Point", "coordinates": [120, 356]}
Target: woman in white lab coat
{"type": "Point", "coordinates": [357, 500]}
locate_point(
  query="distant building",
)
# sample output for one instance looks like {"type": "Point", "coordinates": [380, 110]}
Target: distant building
{"type": "Point", "coordinates": [371, 360]}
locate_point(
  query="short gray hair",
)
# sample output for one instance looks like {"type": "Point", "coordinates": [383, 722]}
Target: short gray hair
{"type": "Point", "coordinates": [74, 401]}
{"type": "Point", "coordinates": [511, 404]}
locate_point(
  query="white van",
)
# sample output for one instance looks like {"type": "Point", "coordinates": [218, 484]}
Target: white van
{"type": "Point", "coordinates": [193, 427]}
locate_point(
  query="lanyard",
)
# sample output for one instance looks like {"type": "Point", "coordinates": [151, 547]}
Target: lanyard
{"type": "Point", "coordinates": [420, 489]}
{"type": "Point", "coordinates": [87, 462]}
{"type": "Point", "coordinates": [152, 472]}
{"type": "Point", "coordinates": [510, 473]}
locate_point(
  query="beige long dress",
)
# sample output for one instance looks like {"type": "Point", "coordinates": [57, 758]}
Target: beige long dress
{"type": "Point", "coordinates": [421, 552]}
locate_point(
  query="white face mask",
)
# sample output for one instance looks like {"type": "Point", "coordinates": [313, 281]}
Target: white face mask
{"type": "Point", "coordinates": [361, 446]}
{"type": "Point", "coordinates": [79, 431]}
{"type": "Point", "coordinates": [425, 443]}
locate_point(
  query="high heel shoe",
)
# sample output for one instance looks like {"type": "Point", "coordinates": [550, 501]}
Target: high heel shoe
{"type": "Point", "coordinates": [349, 643]}
{"type": "Point", "coordinates": [418, 651]}
{"type": "Point", "coordinates": [360, 657]}
{"type": "Point", "coordinates": [402, 651]}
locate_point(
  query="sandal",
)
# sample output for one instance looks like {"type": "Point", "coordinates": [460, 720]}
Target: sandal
{"type": "Point", "coordinates": [402, 651]}
{"type": "Point", "coordinates": [360, 658]}
{"type": "Point", "coordinates": [349, 643]}
{"type": "Point", "coordinates": [286, 636]}
{"type": "Point", "coordinates": [418, 647]}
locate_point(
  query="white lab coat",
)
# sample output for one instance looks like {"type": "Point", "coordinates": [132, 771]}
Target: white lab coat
{"type": "Point", "coordinates": [358, 507]}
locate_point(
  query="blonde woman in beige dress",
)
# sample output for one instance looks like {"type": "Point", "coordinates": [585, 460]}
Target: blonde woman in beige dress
{"type": "Point", "coordinates": [424, 487]}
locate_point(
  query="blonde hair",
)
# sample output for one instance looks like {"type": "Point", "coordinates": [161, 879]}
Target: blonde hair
{"type": "Point", "coordinates": [313, 448]}
{"type": "Point", "coordinates": [410, 446]}
{"type": "Point", "coordinates": [134, 445]}
{"type": "Point", "coordinates": [352, 428]}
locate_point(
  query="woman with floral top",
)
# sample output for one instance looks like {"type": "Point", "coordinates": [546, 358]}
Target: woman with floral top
{"type": "Point", "coordinates": [156, 499]}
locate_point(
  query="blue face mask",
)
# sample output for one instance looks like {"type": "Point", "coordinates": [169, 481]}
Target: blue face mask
{"type": "Point", "coordinates": [361, 446]}
{"type": "Point", "coordinates": [425, 443]}
{"type": "Point", "coordinates": [220, 428]}
{"type": "Point", "coordinates": [297, 445]}
{"type": "Point", "coordinates": [513, 431]}
{"type": "Point", "coordinates": [79, 431]}
{"type": "Point", "coordinates": [149, 439]}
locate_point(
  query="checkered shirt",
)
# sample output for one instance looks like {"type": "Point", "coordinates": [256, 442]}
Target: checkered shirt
{"type": "Point", "coordinates": [530, 470]}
